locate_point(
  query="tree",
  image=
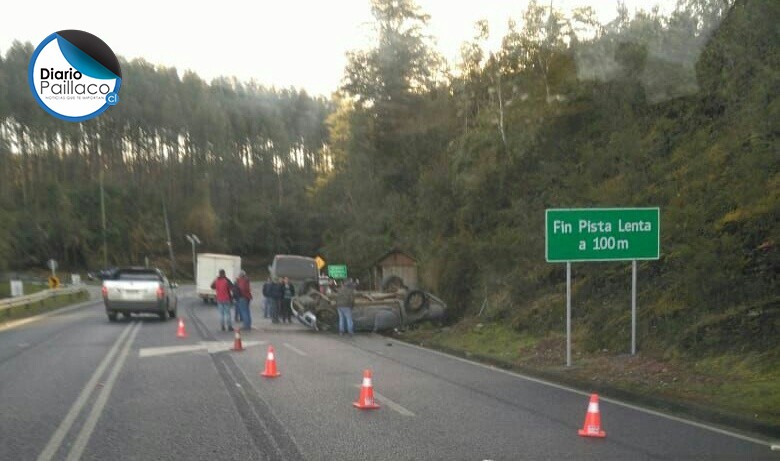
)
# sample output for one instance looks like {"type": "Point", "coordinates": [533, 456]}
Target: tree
{"type": "Point", "coordinates": [389, 84]}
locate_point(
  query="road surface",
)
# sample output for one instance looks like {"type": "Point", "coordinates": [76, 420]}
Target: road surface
{"type": "Point", "coordinates": [74, 386]}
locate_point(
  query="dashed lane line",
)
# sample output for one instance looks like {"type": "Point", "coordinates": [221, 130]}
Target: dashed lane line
{"type": "Point", "coordinates": [393, 406]}
{"type": "Point", "coordinates": [296, 350]}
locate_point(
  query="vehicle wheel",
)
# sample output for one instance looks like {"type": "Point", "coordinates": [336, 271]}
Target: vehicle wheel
{"type": "Point", "coordinates": [392, 283]}
{"type": "Point", "coordinates": [172, 314]}
{"type": "Point", "coordinates": [111, 316]}
{"type": "Point", "coordinates": [415, 301]}
{"type": "Point", "coordinates": [327, 319]}
{"type": "Point", "coordinates": [126, 315]}
{"type": "Point", "coordinates": [205, 300]}
{"type": "Point", "coordinates": [164, 314]}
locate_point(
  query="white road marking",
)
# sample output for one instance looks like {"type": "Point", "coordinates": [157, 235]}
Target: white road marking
{"type": "Point", "coordinates": [97, 409]}
{"type": "Point", "coordinates": [212, 347]}
{"type": "Point", "coordinates": [56, 439]}
{"type": "Point", "coordinates": [294, 349]}
{"type": "Point", "coordinates": [603, 399]}
{"type": "Point", "coordinates": [393, 406]}
{"type": "Point", "coordinates": [157, 351]}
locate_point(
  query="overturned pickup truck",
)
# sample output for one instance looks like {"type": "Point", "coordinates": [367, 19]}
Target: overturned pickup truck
{"type": "Point", "coordinates": [373, 311]}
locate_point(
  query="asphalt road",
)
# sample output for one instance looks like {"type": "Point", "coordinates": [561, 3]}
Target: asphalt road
{"type": "Point", "coordinates": [74, 386]}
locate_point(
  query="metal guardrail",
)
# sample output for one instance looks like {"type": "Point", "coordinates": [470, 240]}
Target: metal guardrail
{"type": "Point", "coordinates": [37, 298]}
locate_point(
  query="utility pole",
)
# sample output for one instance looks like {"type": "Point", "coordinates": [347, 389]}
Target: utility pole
{"type": "Point", "coordinates": [170, 243]}
{"type": "Point", "coordinates": [103, 218]}
{"type": "Point", "coordinates": [194, 240]}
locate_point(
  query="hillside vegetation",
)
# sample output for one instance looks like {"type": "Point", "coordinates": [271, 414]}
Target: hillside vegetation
{"type": "Point", "coordinates": [679, 113]}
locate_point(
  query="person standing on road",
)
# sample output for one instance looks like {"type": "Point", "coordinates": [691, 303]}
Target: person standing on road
{"type": "Point", "coordinates": [288, 292]}
{"type": "Point", "coordinates": [245, 296]}
{"type": "Point", "coordinates": [222, 285]}
{"type": "Point", "coordinates": [276, 300]}
{"type": "Point", "coordinates": [345, 300]}
{"type": "Point", "coordinates": [267, 298]}
{"type": "Point", "coordinates": [235, 295]}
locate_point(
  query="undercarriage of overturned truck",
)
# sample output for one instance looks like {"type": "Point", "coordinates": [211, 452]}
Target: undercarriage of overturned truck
{"type": "Point", "coordinates": [373, 311]}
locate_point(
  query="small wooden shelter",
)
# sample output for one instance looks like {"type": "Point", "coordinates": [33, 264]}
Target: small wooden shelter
{"type": "Point", "coordinates": [395, 263]}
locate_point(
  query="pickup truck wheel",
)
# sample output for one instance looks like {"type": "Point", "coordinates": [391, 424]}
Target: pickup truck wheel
{"type": "Point", "coordinates": [111, 316]}
{"type": "Point", "coordinates": [392, 284]}
{"type": "Point", "coordinates": [327, 319]}
{"type": "Point", "coordinates": [415, 301]}
{"type": "Point", "coordinates": [164, 314]}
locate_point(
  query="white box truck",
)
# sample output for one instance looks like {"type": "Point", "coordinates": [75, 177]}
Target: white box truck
{"type": "Point", "coordinates": [208, 268]}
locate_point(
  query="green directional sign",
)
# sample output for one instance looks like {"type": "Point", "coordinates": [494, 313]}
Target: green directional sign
{"type": "Point", "coordinates": [602, 234]}
{"type": "Point", "coordinates": [337, 272]}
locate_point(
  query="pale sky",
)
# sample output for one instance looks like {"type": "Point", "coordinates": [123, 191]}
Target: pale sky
{"type": "Point", "coordinates": [283, 43]}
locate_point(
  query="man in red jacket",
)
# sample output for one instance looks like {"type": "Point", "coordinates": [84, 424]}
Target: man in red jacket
{"type": "Point", "coordinates": [222, 285]}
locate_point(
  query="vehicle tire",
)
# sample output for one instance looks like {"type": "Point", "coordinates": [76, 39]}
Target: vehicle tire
{"type": "Point", "coordinates": [126, 315]}
{"type": "Point", "coordinates": [164, 313]}
{"type": "Point", "coordinates": [310, 287]}
{"type": "Point", "coordinates": [392, 283]}
{"type": "Point", "coordinates": [111, 316]}
{"type": "Point", "coordinates": [327, 319]}
{"type": "Point", "coordinates": [205, 300]}
{"type": "Point", "coordinates": [172, 314]}
{"type": "Point", "coordinates": [415, 301]}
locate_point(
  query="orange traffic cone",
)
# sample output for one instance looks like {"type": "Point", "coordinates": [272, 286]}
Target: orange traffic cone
{"type": "Point", "coordinates": [366, 399]}
{"type": "Point", "coordinates": [237, 346]}
{"type": "Point", "coordinates": [180, 333]}
{"type": "Point", "coordinates": [270, 365]}
{"type": "Point", "coordinates": [592, 425]}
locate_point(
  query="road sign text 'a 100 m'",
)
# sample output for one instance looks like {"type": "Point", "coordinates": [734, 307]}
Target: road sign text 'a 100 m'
{"type": "Point", "coordinates": [602, 234]}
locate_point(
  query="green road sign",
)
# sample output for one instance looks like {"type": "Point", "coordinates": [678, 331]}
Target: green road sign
{"type": "Point", "coordinates": [337, 272]}
{"type": "Point", "coordinates": [602, 234]}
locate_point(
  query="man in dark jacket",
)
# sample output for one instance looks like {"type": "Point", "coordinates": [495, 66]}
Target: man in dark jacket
{"type": "Point", "coordinates": [267, 298]}
{"type": "Point", "coordinates": [288, 292]}
{"type": "Point", "coordinates": [345, 300]}
{"type": "Point", "coordinates": [245, 296]}
{"type": "Point", "coordinates": [276, 292]}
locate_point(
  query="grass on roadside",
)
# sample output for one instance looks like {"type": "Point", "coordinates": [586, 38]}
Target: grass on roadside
{"type": "Point", "coordinates": [41, 307]}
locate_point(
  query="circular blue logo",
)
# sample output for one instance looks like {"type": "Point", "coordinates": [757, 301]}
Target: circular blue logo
{"type": "Point", "coordinates": [74, 75]}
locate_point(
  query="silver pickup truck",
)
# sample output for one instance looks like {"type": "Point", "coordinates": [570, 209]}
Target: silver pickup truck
{"type": "Point", "coordinates": [136, 290]}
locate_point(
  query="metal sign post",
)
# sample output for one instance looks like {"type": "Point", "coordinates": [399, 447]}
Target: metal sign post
{"type": "Point", "coordinates": [568, 314]}
{"type": "Point", "coordinates": [633, 307]}
{"type": "Point", "coordinates": [53, 267]}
